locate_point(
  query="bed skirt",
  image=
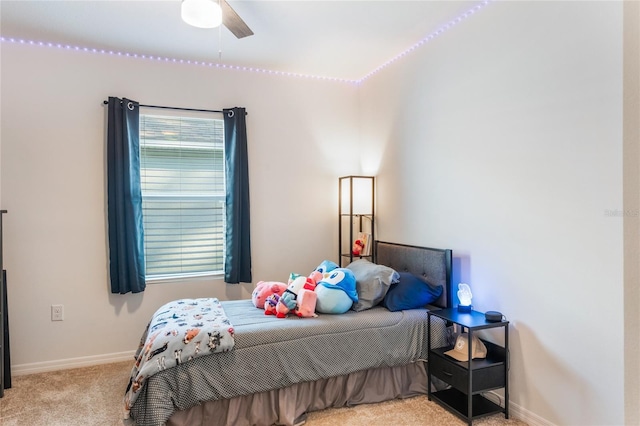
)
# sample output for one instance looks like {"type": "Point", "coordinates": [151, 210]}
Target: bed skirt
{"type": "Point", "coordinates": [289, 406]}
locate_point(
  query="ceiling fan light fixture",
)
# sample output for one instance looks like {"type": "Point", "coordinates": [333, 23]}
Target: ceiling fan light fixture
{"type": "Point", "coordinates": [201, 13]}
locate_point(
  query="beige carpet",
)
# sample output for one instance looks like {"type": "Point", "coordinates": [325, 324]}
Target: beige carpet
{"type": "Point", "coordinates": [93, 396]}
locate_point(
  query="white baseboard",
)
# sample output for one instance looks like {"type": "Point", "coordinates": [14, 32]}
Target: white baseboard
{"type": "Point", "coordinates": [518, 412]}
{"type": "Point", "coordinates": [527, 416]}
{"type": "Point", "coordinates": [65, 364]}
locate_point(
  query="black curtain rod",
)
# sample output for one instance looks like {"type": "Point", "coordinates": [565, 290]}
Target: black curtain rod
{"type": "Point", "coordinates": [176, 108]}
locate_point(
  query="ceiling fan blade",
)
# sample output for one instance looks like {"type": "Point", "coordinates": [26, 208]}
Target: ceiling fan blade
{"type": "Point", "coordinates": [233, 21]}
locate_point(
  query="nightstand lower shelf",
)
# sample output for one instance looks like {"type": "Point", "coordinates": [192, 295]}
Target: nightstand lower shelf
{"type": "Point", "coordinates": [456, 401]}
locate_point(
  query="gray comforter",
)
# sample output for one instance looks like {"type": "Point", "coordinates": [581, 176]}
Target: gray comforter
{"type": "Point", "coordinates": [272, 353]}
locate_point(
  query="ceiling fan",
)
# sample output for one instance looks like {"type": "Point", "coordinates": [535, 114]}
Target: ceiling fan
{"type": "Point", "coordinates": [213, 13]}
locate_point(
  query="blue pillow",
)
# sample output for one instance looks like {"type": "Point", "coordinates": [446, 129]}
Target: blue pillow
{"type": "Point", "coordinates": [410, 293]}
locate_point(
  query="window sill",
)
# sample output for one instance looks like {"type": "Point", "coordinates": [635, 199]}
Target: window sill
{"type": "Point", "coordinates": [176, 279]}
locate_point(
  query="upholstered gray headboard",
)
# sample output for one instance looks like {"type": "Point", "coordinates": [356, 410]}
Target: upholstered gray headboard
{"type": "Point", "coordinates": [432, 265]}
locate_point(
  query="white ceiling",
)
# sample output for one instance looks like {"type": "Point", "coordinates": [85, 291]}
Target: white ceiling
{"type": "Point", "coordinates": [338, 39]}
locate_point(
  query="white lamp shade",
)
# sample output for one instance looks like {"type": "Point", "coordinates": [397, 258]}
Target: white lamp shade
{"type": "Point", "coordinates": [362, 193]}
{"type": "Point", "coordinates": [201, 13]}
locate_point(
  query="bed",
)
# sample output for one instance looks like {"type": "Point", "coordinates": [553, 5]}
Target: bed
{"type": "Point", "coordinates": [281, 369]}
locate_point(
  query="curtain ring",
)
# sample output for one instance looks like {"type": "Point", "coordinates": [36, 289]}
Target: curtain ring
{"type": "Point", "coordinates": [231, 113]}
{"type": "Point", "coordinates": [130, 106]}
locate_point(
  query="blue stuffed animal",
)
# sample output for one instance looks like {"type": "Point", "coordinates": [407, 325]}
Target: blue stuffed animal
{"type": "Point", "coordinates": [336, 290]}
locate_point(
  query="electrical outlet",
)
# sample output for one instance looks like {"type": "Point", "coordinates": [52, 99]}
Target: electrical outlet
{"type": "Point", "coordinates": [57, 312]}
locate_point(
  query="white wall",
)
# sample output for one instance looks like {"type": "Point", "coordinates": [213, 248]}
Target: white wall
{"type": "Point", "coordinates": [53, 184]}
{"type": "Point", "coordinates": [502, 140]}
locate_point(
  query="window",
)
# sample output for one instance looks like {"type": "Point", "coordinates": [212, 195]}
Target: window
{"type": "Point", "coordinates": [183, 195]}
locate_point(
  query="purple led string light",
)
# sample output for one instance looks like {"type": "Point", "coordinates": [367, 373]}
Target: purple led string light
{"type": "Point", "coordinates": [420, 43]}
{"type": "Point", "coordinates": [425, 40]}
{"type": "Point", "coordinates": [172, 60]}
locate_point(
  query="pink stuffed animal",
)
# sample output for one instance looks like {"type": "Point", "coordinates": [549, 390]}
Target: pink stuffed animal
{"type": "Point", "coordinates": [264, 289]}
{"type": "Point", "coordinates": [307, 298]}
{"type": "Point", "coordinates": [316, 276]}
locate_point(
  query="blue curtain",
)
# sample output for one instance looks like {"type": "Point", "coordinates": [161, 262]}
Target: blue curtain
{"type": "Point", "coordinates": [124, 199]}
{"type": "Point", "coordinates": [237, 262]}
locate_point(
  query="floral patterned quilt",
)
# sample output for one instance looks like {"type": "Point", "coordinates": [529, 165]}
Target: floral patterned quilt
{"type": "Point", "coordinates": [179, 331]}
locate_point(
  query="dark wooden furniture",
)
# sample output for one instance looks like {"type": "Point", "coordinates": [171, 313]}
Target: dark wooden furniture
{"type": "Point", "coordinates": [468, 380]}
{"type": "Point", "coordinates": [5, 361]}
{"type": "Point", "coordinates": [356, 203]}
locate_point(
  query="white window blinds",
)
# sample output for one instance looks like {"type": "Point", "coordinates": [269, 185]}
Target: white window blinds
{"type": "Point", "coordinates": [183, 192]}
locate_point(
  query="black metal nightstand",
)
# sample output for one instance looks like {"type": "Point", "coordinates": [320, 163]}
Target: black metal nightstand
{"type": "Point", "coordinates": [469, 379]}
